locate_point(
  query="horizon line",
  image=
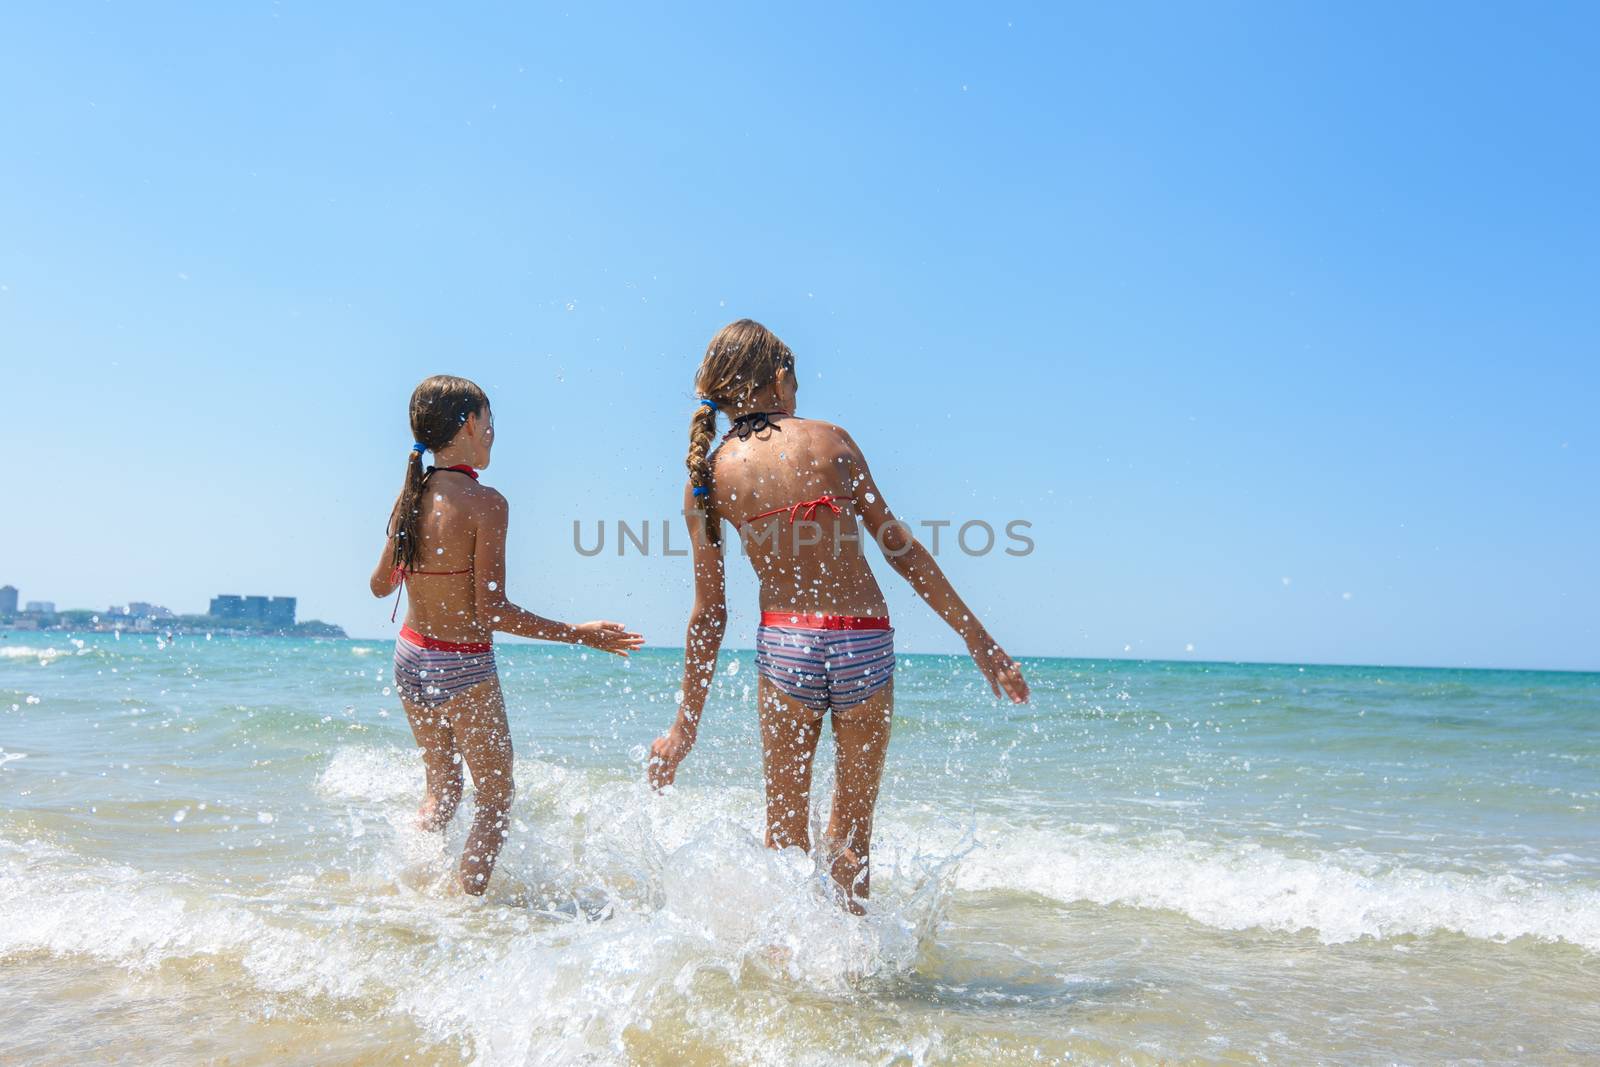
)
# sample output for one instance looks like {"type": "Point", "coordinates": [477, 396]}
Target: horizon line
{"type": "Point", "coordinates": [1132, 659]}
{"type": "Point", "coordinates": [7, 632]}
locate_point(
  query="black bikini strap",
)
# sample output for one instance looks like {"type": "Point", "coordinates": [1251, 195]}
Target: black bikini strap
{"type": "Point", "coordinates": [753, 422]}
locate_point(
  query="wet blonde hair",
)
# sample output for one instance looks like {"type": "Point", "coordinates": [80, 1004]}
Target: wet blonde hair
{"type": "Point", "coordinates": [741, 360]}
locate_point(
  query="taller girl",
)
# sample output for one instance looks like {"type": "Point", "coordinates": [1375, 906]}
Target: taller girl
{"type": "Point", "coordinates": [447, 543]}
{"type": "Point", "coordinates": [799, 490]}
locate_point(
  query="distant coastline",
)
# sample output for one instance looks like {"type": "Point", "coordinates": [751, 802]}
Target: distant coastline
{"type": "Point", "coordinates": [229, 615]}
{"type": "Point", "coordinates": [175, 626]}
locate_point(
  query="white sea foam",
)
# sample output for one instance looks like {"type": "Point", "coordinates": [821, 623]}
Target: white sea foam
{"type": "Point", "coordinates": [372, 774]}
{"type": "Point", "coordinates": [54, 902]}
{"type": "Point", "coordinates": [517, 987]}
{"type": "Point", "coordinates": [1340, 896]}
{"type": "Point", "coordinates": [729, 910]}
{"type": "Point", "coordinates": [45, 656]}
{"type": "Point", "coordinates": [1337, 896]}
{"type": "Point", "coordinates": [686, 889]}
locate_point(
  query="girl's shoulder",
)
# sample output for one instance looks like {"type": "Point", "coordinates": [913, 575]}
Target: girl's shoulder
{"type": "Point", "coordinates": [830, 437]}
{"type": "Point", "coordinates": [477, 497]}
{"type": "Point", "coordinates": [820, 429]}
{"type": "Point", "coordinates": [488, 497]}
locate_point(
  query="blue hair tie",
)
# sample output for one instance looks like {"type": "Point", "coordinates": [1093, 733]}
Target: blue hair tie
{"type": "Point", "coordinates": [712, 404]}
{"type": "Point", "coordinates": [419, 448]}
{"type": "Point", "coordinates": [701, 490]}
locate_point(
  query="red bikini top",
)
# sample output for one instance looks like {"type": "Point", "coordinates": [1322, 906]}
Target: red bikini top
{"type": "Point", "coordinates": [805, 509]}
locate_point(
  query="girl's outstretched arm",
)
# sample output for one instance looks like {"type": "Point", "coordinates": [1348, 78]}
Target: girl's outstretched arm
{"type": "Point", "coordinates": [496, 612]}
{"type": "Point", "coordinates": [701, 643]}
{"type": "Point", "coordinates": [917, 566]}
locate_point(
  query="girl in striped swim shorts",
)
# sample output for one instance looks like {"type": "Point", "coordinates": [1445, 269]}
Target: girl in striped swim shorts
{"type": "Point", "coordinates": [444, 665]}
{"type": "Point", "coordinates": [825, 662]}
{"type": "Point", "coordinates": [800, 494]}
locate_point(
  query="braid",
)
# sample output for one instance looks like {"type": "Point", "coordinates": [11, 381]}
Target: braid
{"type": "Point", "coordinates": [702, 428]}
{"type": "Point", "coordinates": [743, 358]}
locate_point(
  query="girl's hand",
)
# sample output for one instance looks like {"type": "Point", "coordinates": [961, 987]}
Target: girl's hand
{"type": "Point", "coordinates": [668, 751]}
{"type": "Point", "coordinates": [607, 637]}
{"type": "Point", "coordinates": [1002, 672]}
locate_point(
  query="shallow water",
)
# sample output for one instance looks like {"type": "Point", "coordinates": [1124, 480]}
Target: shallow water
{"type": "Point", "coordinates": [206, 852]}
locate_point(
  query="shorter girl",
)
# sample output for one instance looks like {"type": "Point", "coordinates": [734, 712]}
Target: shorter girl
{"type": "Point", "coordinates": [450, 531]}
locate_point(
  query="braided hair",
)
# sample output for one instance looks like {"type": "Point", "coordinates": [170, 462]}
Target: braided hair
{"type": "Point", "coordinates": [741, 360]}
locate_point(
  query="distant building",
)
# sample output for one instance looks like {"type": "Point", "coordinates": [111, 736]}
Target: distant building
{"type": "Point", "coordinates": [256, 608]}
{"type": "Point", "coordinates": [138, 610]}
{"type": "Point", "coordinates": [259, 610]}
{"type": "Point", "coordinates": [8, 600]}
{"type": "Point", "coordinates": [40, 607]}
{"type": "Point", "coordinates": [279, 611]}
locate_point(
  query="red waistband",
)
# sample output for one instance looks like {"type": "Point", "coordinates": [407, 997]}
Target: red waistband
{"type": "Point", "coordinates": [803, 621]}
{"type": "Point", "coordinates": [410, 636]}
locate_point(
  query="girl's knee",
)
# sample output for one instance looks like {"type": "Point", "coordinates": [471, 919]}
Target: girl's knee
{"type": "Point", "coordinates": [496, 790]}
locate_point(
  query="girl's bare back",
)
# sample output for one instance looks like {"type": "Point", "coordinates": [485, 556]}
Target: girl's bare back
{"type": "Point", "coordinates": [441, 587]}
{"type": "Point", "coordinates": [791, 490]}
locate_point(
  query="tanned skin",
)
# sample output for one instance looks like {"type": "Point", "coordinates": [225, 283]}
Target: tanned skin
{"type": "Point", "coordinates": [463, 528]}
{"type": "Point", "coordinates": [817, 567]}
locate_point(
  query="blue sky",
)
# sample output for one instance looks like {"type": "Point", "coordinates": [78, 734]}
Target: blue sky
{"type": "Point", "coordinates": [1213, 295]}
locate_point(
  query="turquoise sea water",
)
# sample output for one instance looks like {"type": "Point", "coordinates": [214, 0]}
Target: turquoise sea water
{"type": "Point", "coordinates": [206, 852]}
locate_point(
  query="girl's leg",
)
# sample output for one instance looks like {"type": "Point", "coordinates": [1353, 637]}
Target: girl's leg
{"type": "Point", "coordinates": [789, 733]}
{"type": "Point", "coordinates": [481, 732]}
{"type": "Point", "coordinates": [441, 763]}
{"type": "Point", "coordinates": [860, 738]}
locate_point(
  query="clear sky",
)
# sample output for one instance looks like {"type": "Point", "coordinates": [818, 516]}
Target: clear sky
{"type": "Point", "coordinates": [1279, 322]}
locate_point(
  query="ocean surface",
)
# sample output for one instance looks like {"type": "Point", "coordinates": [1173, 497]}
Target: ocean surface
{"type": "Point", "coordinates": [206, 854]}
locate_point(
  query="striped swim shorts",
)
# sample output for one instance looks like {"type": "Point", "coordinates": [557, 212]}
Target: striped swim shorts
{"type": "Point", "coordinates": [825, 662]}
{"type": "Point", "coordinates": [428, 671]}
